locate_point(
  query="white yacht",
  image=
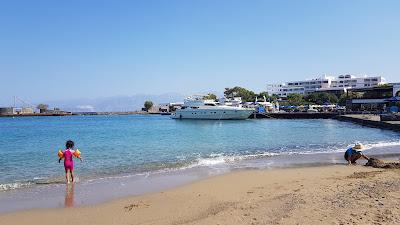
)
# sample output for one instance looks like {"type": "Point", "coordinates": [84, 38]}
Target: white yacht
{"type": "Point", "coordinates": [196, 107]}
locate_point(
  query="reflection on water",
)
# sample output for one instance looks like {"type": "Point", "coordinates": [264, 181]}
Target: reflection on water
{"type": "Point", "coordinates": [69, 195]}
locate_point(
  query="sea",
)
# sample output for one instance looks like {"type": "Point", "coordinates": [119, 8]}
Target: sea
{"type": "Point", "coordinates": [135, 154]}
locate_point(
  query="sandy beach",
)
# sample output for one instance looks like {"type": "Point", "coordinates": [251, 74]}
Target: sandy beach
{"type": "Point", "coordinates": [313, 195]}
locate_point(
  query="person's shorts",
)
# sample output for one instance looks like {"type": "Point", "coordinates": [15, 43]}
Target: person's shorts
{"type": "Point", "coordinates": [69, 167]}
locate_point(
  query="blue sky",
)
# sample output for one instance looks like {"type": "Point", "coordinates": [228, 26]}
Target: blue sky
{"type": "Point", "coordinates": [52, 50]}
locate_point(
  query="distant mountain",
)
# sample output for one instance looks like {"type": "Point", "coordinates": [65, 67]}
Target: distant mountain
{"type": "Point", "coordinates": [115, 103]}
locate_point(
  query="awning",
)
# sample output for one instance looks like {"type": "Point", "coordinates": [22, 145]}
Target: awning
{"type": "Point", "coordinates": [393, 99]}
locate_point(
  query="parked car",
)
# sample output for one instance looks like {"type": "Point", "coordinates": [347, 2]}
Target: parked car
{"type": "Point", "coordinates": [312, 111]}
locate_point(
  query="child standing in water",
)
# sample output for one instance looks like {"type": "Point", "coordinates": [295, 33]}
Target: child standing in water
{"type": "Point", "coordinates": [68, 161]}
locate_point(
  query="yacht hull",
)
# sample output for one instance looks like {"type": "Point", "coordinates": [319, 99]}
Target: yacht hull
{"type": "Point", "coordinates": [213, 114]}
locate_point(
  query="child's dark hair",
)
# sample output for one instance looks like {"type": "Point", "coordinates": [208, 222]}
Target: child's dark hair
{"type": "Point", "coordinates": [69, 144]}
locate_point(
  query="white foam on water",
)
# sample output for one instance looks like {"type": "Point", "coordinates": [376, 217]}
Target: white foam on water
{"type": "Point", "coordinates": [15, 185]}
{"type": "Point", "coordinates": [382, 144]}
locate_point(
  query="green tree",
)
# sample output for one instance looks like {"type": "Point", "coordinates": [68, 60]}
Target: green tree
{"type": "Point", "coordinates": [385, 85]}
{"type": "Point", "coordinates": [274, 97]}
{"type": "Point", "coordinates": [42, 106]}
{"type": "Point", "coordinates": [321, 98]}
{"type": "Point", "coordinates": [148, 105]}
{"type": "Point", "coordinates": [295, 99]}
{"type": "Point", "coordinates": [247, 95]}
{"type": "Point", "coordinates": [210, 96]}
{"type": "Point", "coordinates": [343, 99]}
{"type": "Point", "coordinates": [261, 95]}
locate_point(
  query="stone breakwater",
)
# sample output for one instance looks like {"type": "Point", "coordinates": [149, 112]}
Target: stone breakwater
{"type": "Point", "coordinates": [370, 121]}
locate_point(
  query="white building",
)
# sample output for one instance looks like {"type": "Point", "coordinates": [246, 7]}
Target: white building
{"type": "Point", "coordinates": [343, 82]}
{"type": "Point", "coordinates": [350, 81]}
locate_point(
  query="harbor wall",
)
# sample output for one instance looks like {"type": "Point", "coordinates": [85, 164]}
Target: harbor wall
{"type": "Point", "coordinates": [296, 115]}
{"type": "Point", "coordinates": [370, 121]}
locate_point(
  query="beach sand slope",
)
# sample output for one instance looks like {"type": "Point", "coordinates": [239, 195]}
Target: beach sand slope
{"type": "Point", "coordinates": [315, 195]}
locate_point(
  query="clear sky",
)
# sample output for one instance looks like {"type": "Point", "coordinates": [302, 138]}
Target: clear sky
{"type": "Point", "coordinates": [52, 50]}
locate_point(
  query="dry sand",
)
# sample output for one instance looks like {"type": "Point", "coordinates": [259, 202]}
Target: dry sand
{"type": "Point", "coordinates": [316, 195]}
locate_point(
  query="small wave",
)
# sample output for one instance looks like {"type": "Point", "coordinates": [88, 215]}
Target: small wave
{"type": "Point", "coordinates": [382, 144]}
{"type": "Point", "coordinates": [48, 180]}
{"type": "Point", "coordinates": [218, 159]}
{"type": "Point", "coordinates": [15, 185]}
{"type": "Point", "coordinates": [30, 183]}
{"type": "Point", "coordinates": [45, 182]}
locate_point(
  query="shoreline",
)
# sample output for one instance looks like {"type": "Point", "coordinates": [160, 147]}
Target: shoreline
{"type": "Point", "coordinates": [310, 195]}
{"type": "Point", "coordinates": [93, 192]}
{"type": "Point", "coordinates": [79, 114]}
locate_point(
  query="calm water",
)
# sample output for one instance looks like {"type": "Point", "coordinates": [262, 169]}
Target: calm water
{"type": "Point", "coordinates": [126, 145]}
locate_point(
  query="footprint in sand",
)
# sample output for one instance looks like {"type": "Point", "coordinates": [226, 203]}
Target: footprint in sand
{"type": "Point", "coordinates": [130, 207]}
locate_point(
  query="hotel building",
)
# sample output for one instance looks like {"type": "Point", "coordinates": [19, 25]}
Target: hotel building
{"type": "Point", "coordinates": [324, 83]}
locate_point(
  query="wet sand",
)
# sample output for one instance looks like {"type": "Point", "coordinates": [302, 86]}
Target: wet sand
{"type": "Point", "coordinates": [315, 195]}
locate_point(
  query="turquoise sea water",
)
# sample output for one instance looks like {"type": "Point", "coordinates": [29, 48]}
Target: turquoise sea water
{"type": "Point", "coordinates": [128, 145]}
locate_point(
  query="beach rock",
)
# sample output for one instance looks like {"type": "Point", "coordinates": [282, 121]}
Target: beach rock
{"type": "Point", "coordinates": [377, 163]}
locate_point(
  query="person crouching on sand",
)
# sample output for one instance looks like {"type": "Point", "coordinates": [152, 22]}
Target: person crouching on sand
{"type": "Point", "coordinates": [354, 153]}
{"type": "Point", "coordinates": [68, 161]}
